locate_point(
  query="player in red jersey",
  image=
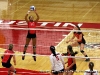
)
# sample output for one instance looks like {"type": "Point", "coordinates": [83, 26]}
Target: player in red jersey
{"type": "Point", "coordinates": [71, 61]}
{"type": "Point", "coordinates": [79, 41]}
{"type": "Point", "coordinates": [6, 58]}
{"type": "Point", "coordinates": [31, 33]}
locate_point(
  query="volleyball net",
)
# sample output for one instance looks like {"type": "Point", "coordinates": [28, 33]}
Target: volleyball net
{"type": "Point", "coordinates": [47, 36]}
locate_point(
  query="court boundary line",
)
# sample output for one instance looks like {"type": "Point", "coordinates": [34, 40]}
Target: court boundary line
{"type": "Point", "coordinates": [21, 7]}
{"type": "Point", "coordinates": [14, 3]}
{"type": "Point", "coordinates": [62, 40]}
{"type": "Point", "coordinates": [88, 11]}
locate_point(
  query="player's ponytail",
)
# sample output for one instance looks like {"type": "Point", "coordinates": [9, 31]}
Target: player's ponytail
{"type": "Point", "coordinates": [91, 65]}
{"type": "Point", "coordinates": [52, 48]}
{"type": "Point", "coordinates": [69, 47]}
{"type": "Point", "coordinates": [10, 46]}
{"type": "Point", "coordinates": [78, 27]}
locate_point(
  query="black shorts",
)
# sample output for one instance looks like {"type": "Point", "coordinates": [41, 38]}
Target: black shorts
{"type": "Point", "coordinates": [56, 72]}
{"type": "Point", "coordinates": [31, 35]}
{"type": "Point", "coordinates": [7, 65]}
{"type": "Point", "coordinates": [83, 41]}
{"type": "Point", "coordinates": [73, 68]}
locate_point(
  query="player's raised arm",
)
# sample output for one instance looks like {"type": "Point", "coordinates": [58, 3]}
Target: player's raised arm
{"type": "Point", "coordinates": [26, 19]}
{"type": "Point", "coordinates": [36, 15]}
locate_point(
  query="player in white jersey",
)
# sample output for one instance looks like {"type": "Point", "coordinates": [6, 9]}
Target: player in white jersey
{"type": "Point", "coordinates": [57, 62]}
{"type": "Point", "coordinates": [91, 71]}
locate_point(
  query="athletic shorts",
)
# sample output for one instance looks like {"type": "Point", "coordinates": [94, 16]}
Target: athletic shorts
{"type": "Point", "coordinates": [56, 72]}
{"type": "Point", "coordinates": [73, 68]}
{"type": "Point", "coordinates": [7, 65]}
{"type": "Point", "coordinates": [83, 41]}
{"type": "Point", "coordinates": [31, 35]}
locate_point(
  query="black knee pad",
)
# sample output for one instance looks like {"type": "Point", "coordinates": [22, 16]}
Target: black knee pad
{"type": "Point", "coordinates": [34, 47]}
{"type": "Point", "coordinates": [26, 46]}
{"type": "Point", "coordinates": [82, 51]}
{"type": "Point", "coordinates": [15, 71]}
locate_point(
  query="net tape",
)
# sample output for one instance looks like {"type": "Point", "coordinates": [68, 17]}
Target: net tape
{"type": "Point", "coordinates": [49, 71]}
{"type": "Point", "coordinates": [64, 30]}
{"type": "Point", "coordinates": [28, 54]}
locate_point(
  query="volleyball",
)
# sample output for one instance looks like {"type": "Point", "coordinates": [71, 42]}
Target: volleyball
{"type": "Point", "coordinates": [32, 7]}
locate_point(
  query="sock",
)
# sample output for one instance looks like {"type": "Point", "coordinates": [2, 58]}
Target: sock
{"type": "Point", "coordinates": [24, 52]}
{"type": "Point", "coordinates": [34, 53]}
{"type": "Point", "coordinates": [86, 56]}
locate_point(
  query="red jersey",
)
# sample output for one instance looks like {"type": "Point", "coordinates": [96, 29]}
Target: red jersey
{"type": "Point", "coordinates": [77, 35]}
{"type": "Point", "coordinates": [70, 60]}
{"type": "Point", "coordinates": [7, 58]}
{"type": "Point", "coordinates": [32, 25]}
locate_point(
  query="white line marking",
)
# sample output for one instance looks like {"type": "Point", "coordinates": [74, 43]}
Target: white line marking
{"type": "Point", "coordinates": [57, 24]}
{"type": "Point", "coordinates": [21, 7]}
{"type": "Point", "coordinates": [89, 11]}
{"type": "Point", "coordinates": [65, 35]}
{"type": "Point", "coordinates": [91, 35]}
{"type": "Point", "coordinates": [63, 40]}
{"type": "Point", "coordinates": [14, 2]}
{"type": "Point", "coordinates": [45, 23]}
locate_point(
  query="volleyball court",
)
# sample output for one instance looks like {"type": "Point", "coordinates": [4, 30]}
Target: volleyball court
{"type": "Point", "coordinates": [16, 34]}
{"type": "Point", "coordinates": [52, 33]}
{"type": "Point", "coordinates": [12, 32]}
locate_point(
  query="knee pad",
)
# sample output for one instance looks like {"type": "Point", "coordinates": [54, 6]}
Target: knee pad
{"type": "Point", "coordinates": [26, 46]}
{"type": "Point", "coordinates": [15, 71]}
{"type": "Point", "coordinates": [82, 51]}
{"type": "Point", "coordinates": [34, 47]}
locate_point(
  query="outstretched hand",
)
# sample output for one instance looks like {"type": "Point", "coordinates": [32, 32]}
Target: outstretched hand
{"type": "Point", "coordinates": [28, 11]}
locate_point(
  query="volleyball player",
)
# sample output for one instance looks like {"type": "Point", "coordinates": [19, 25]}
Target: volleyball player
{"type": "Point", "coordinates": [57, 62]}
{"type": "Point", "coordinates": [6, 58]}
{"type": "Point", "coordinates": [79, 41]}
{"type": "Point", "coordinates": [31, 33]}
{"type": "Point", "coordinates": [71, 61]}
{"type": "Point", "coordinates": [91, 71]}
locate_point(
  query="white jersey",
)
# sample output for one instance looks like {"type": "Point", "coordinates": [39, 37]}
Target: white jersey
{"type": "Point", "coordinates": [87, 72]}
{"type": "Point", "coordinates": [57, 62]}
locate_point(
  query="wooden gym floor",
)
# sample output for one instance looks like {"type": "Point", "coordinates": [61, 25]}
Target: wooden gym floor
{"type": "Point", "coordinates": [56, 10]}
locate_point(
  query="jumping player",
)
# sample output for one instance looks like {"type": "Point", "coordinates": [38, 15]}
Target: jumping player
{"type": "Point", "coordinates": [31, 33]}
{"type": "Point", "coordinates": [6, 58]}
{"type": "Point", "coordinates": [79, 41]}
{"type": "Point", "coordinates": [57, 62]}
{"type": "Point", "coordinates": [71, 61]}
{"type": "Point", "coordinates": [91, 71]}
